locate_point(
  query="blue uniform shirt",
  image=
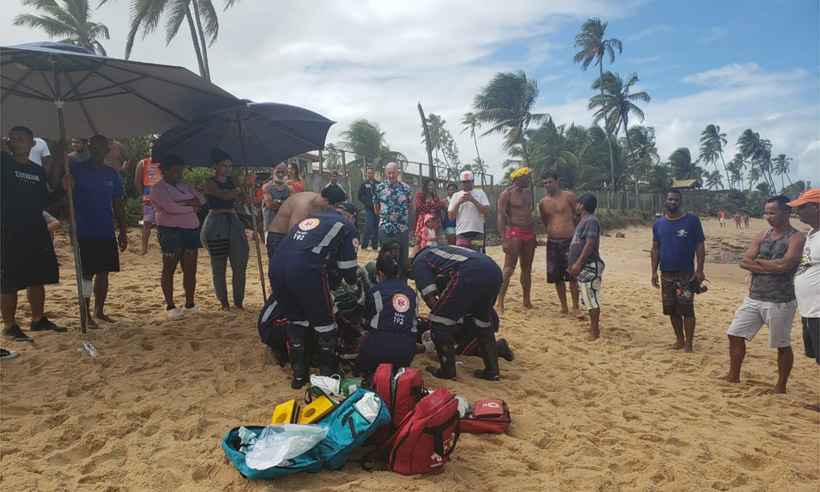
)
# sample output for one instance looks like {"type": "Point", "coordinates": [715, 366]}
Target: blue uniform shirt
{"type": "Point", "coordinates": [391, 307]}
{"type": "Point", "coordinates": [324, 239]}
{"type": "Point", "coordinates": [439, 260]}
{"type": "Point", "coordinates": [678, 240]}
{"type": "Point", "coordinates": [95, 189]}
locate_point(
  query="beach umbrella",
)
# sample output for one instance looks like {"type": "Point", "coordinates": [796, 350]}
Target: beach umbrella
{"type": "Point", "coordinates": [51, 87]}
{"type": "Point", "coordinates": [261, 134]}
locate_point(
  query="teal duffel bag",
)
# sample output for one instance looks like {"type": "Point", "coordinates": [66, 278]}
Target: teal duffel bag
{"type": "Point", "coordinates": [306, 462]}
{"type": "Point", "coordinates": [348, 427]}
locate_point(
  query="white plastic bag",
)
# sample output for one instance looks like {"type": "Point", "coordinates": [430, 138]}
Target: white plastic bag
{"type": "Point", "coordinates": [279, 443]}
{"type": "Point", "coordinates": [330, 385]}
{"type": "Point", "coordinates": [369, 406]}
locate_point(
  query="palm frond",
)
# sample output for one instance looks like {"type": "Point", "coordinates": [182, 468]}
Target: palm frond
{"type": "Point", "coordinates": [211, 20]}
{"type": "Point", "coordinates": [51, 26]}
{"type": "Point", "coordinates": [179, 11]}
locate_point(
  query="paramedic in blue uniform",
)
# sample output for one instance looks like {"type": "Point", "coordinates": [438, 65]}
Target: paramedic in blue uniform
{"type": "Point", "coordinates": [389, 317]}
{"type": "Point", "coordinates": [316, 255]}
{"type": "Point", "coordinates": [472, 286]}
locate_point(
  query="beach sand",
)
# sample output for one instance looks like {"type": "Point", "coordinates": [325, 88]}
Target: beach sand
{"type": "Point", "coordinates": [622, 413]}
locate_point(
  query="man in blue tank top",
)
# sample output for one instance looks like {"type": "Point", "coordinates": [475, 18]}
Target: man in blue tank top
{"type": "Point", "coordinates": [772, 259]}
{"type": "Point", "coordinates": [318, 253]}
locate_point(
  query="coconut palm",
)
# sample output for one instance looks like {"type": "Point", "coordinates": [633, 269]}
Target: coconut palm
{"type": "Point", "coordinates": [506, 104]}
{"type": "Point", "coordinates": [736, 168]}
{"type": "Point", "coordinates": [592, 49]}
{"type": "Point", "coordinates": [200, 15]}
{"type": "Point", "coordinates": [758, 152]}
{"type": "Point", "coordinates": [471, 122]}
{"type": "Point", "coordinates": [712, 142]}
{"type": "Point", "coordinates": [616, 103]}
{"type": "Point", "coordinates": [714, 180]}
{"type": "Point", "coordinates": [781, 165]}
{"type": "Point", "coordinates": [68, 20]}
{"type": "Point", "coordinates": [365, 139]}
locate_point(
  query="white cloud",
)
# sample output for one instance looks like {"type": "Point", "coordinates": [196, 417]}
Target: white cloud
{"type": "Point", "coordinates": [644, 60]}
{"type": "Point", "coordinates": [650, 31]}
{"type": "Point", "coordinates": [715, 34]}
{"type": "Point", "coordinates": [377, 59]}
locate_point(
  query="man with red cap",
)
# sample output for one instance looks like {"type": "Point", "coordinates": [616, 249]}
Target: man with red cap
{"type": "Point", "coordinates": [807, 277]}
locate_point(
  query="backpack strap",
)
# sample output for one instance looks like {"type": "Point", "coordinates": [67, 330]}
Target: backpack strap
{"type": "Point", "coordinates": [438, 439]}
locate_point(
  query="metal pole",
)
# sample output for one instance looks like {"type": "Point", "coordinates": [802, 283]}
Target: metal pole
{"type": "Point", "coordinates": [72, 218]}
{"type": "Point", "coordinates": [253, 213]}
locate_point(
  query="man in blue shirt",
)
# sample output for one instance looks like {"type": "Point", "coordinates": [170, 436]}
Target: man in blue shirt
{"type": "Point", "coordinates": [98, 198]}
{"type": "Point", "coordinates": [677, 239]}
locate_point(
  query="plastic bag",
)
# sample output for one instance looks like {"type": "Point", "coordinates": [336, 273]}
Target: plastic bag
{"type": "Point", "coordinates": [330, 385]}
{"type": "Point", "coordinates": [277, 444]}
{"type": "Point", "coordinates": [369, 406]}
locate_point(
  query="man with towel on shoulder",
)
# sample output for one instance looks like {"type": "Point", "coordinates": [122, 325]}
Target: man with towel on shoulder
{"type": "Point", "coordinates": [517, 229]}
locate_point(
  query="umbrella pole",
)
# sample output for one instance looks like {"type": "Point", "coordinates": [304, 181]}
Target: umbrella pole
{"type": "Point", "coordinates": [75, 246]}
{"type": "Point", "coordinates": [253, 211]}
{"type": "Point", "coordinates": [256, 244]}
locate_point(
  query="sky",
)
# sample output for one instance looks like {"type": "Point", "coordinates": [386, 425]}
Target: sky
{"type": "Point", "coordinates": [751, 64]}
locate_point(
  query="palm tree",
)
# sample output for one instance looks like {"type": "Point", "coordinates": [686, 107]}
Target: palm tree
{"type": "Point", "coordinates": [712, 142]}
{"type": "Point", "coordinates": [736, 167]}
{"type": "Point", "coordinates": [66, 19]}
{"type": "Point", "coordinates": [714, 180]}
{"type": "Point", "coordinates": [758, 152]}
{"type": "Point", "coordinates": [592, 48]}
{"type": "Point", "coordinates": [365, 139]}
{"type": "Point", "coordinates": [200, 15]}
{"type": "Point", "coordinates": [471, 122]}
{"type": "Point", "coordinates": [506, 104]}
{"type": "Point", "coordinates": [615, 104]}
{"type": "Point", "coordinates": [781, 168]}
{"type": "Point", "coordinates": [753, 177]}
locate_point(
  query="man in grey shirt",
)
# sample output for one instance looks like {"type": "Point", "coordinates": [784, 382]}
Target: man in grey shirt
{"type": "Point", "coordinates": [772, 259]}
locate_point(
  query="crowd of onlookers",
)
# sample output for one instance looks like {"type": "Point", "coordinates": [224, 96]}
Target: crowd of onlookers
{"type": "Point", "coordinates": [784, 263]}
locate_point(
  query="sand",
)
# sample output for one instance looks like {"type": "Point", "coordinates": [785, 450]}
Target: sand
{"type": "Point", "coordinates": [622, 413]}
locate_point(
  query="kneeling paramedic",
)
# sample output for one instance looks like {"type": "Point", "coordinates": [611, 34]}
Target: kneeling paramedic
{"type": "Point", "coordinates": [390, 318]}
{"type": "Point", "coordinates": [472, 286]}
{"type": "Point", "coordinates": [317, 254]}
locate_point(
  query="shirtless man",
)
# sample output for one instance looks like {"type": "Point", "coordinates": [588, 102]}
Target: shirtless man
{"type": "Point", "coordinates": [517, 229]}
{"type": "Point", "coordinates": [557, 210]}
{"type": "Point", "coordinates": [295, 209]}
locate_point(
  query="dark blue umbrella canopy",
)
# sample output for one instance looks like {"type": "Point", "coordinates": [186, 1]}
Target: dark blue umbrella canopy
{"type": "Point", "coordinates": [118, 98]}
{"type": "Point", "coordinates": [254, 134]}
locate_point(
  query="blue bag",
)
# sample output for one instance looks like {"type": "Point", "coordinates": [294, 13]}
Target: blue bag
{"type": "Point", "coordinates": [307, 462]}
{"type": "Point", "coordinates": [348, 429]}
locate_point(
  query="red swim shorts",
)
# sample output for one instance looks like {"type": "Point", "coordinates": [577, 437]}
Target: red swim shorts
{"type": "Point", "coordinates": [522, 233]}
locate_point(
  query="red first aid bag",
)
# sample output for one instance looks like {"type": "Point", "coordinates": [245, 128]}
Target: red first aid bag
{"type": "Point", "coordinates": [487, 417]}
{"type": "Point", "coordinates": [427, 436]}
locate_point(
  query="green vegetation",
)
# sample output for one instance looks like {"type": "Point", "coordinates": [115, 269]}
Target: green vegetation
{"type": "Point", "coordinates": [67, 20]}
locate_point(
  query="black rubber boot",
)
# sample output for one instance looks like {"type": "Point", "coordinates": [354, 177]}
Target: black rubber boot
{"type": "Point", "coordinates": [328, 357]}
{"type": "Point", "coordinates": [503, 349]}
{"type": "Point", "coordinates": [489, 354]}
{"type": "Point", "coordinates": [299, 365]}
{"type": "Point", "coordinates": [446, 351]}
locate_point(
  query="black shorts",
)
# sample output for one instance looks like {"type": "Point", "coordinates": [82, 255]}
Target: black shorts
{"type": "Point", "coordinates": [558, 260]}
{"type": "Point", "coordinates": [99, 256]}
{"type": "Point", "coordinates": [302, 289]}
{"type": "Point", "coordinates": [811, 337]}
{"type": "Point", "coordinates": [27, 259]}
{"type": "Point", "coordinates": [675, 302]}
{"type": "Point", "coordinates": [472, 291]}
{"type": "Point", "coordinates": [172, 240]}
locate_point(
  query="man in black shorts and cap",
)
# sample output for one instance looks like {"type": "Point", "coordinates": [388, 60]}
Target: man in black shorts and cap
{"type": "Point", "coordinates": [316, 255]}
{"type": "Point", "coordinates": [28, 259]}
{"type": "Point", "coordinates": [470, 294]}
{"type": "Point", "coordinates": [98, 198]}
